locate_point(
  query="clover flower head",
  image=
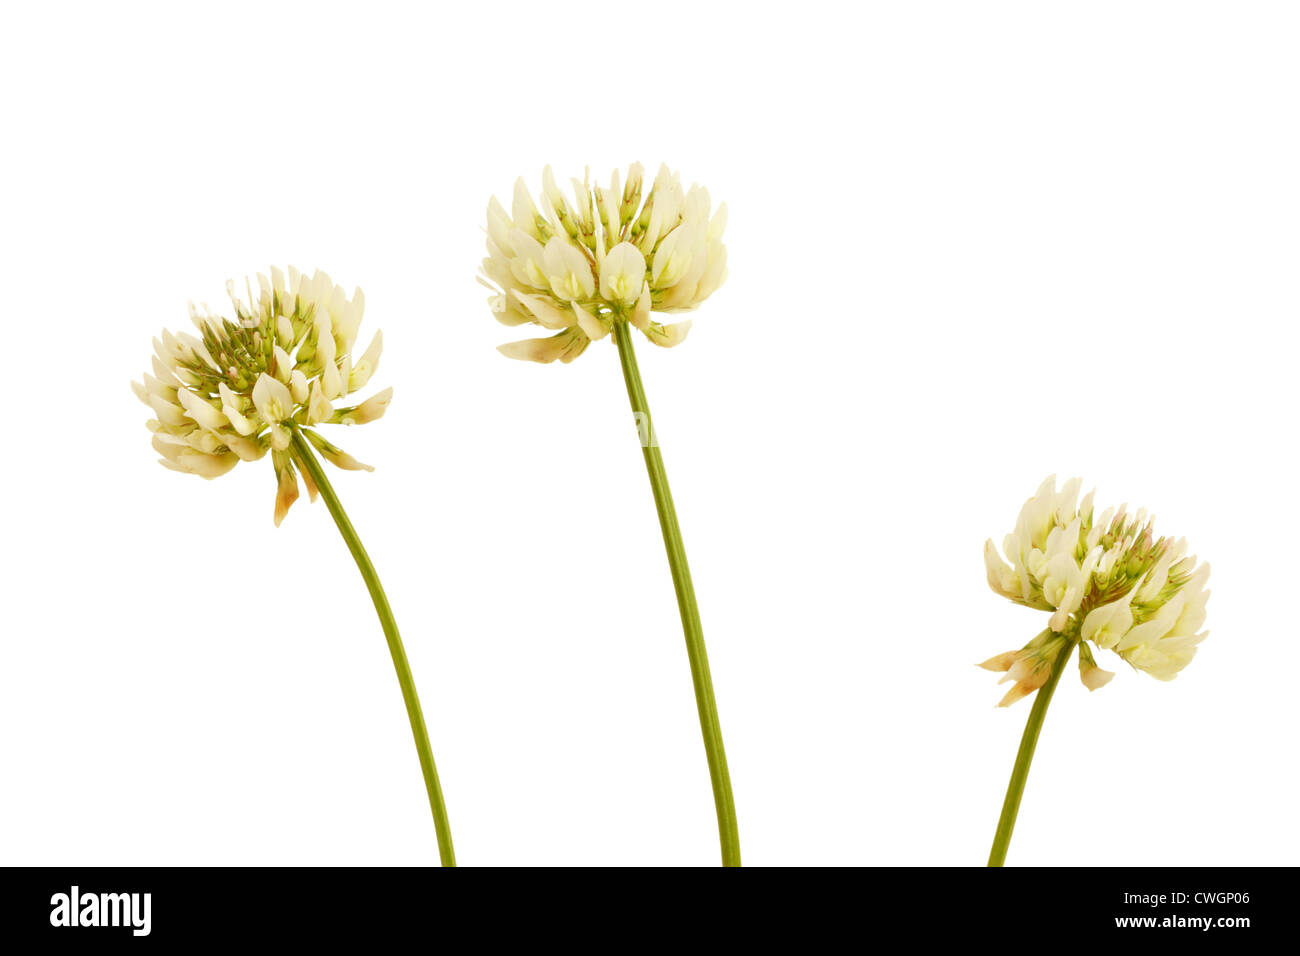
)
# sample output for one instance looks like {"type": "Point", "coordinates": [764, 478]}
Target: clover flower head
{"type": "Point", "coordinates": [1106, 579]}
{"type": "Point", "coordinates": [576, 266]}
{"type": "Point", "coordinates": [237, 389]}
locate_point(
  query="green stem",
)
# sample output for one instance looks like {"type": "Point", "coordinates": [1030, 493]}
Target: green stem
{"type": "Point", "coordinates": [311, 466]}
{"type": "Point", "coordinates": [1025, 756]}
{"type": "Point", "coordinates": [728, 832]}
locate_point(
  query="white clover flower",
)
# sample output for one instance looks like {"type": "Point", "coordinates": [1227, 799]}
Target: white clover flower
{"type": "Point", "coordinates": [577, 267]}
{"type": "Point", "coordinates": [233, 392]}
{"type": "Point", "coordinates": [1107, 580]}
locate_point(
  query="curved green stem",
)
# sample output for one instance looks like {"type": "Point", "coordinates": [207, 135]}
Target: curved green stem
{"type": "Point", "coordinates": [728, 832]}
{"type": "Point", "coordinates": [1025, 756]}
{"type": "Point", "coordinates": [305, 457]}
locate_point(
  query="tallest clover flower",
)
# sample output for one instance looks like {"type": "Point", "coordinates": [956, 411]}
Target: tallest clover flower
{"type": "Point", "coordinates": [602, 263]}
{"type": "Point", "coordinates": [579, 265]}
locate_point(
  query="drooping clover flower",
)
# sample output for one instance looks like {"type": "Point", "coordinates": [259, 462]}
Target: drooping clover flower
{"type": "Point", "coordinates": [1107, 580]}
{"type": "Point", "coordinates": [257, 382]}
{"type": "Point", "coordinates": [577, 266]}
{"type": "Point", "coordinates": [284, 358]}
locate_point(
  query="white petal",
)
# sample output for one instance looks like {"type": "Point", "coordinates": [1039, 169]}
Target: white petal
{"type": "Point", "coordinates": [283, 366]}
{"type": "Point", "coordinates": [199, 410]}
{"type": "Point", "coordinates": [286, 492]}
{"type": "Point", "coordinates": [499, 226]}
{"type": "Point", "coordinates": [298, 387]}
{"type": "Point", "coordinates": [318, 407]}
{"type": "Point", "coordinates": [523, 210]}
{"type": "Point", "coordinates": [640, 317]}
{"type": "Point", "coordinates": [272, 400]}
{"type": "Point", "coordinates": [668, 335]}
{"type": "Point", "coordinates": [367, 364]}
{"type": "Point", "coordinates": [566, 346]}
{"type": "Point", "coordinates": [568, 270]}
{"type": "Point", "coordinates": [546, 312]}
{"type": "Point", "coordinates": [370, 410]}
{"type": "Point", "coordinates": [674, 256]}
{"type": "Point", "coordinates": [335, 455]}
{"type": "Point", "coordinates": [622, 274]}
{"type": "Point", "coordinates": [594, 328]}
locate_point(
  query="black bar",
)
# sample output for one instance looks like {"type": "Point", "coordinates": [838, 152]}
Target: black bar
{"type": "Point", "coordinates": [631, 907]}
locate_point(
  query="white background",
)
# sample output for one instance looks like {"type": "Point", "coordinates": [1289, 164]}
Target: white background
{"type": "Point", "coordinates": [970, 245]}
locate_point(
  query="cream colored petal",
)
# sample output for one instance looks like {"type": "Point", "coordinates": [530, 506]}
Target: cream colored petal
{"type": "Point", "coordinates": [370, 410]}
{"type": "Point", "coordinates": [715, 272]}
{"type": "Point", "coordinates": [546, 312]}
{"type": "Point", "coordinates": [191, 346]}
{"type": "Point", "coordinates": [718, 223]}
{"type": "Point", "coordinates": [582, 205]}
{"type": "Point", "coordinates": [622, 274]}
{"type": "Point", "coordinates": [683, 294]}
{"type": "Point", "coordinates": [1017, 692]}
{"type": "Point", "coordinates": [272, 399]}
{"type": "Point", "coordinates": [523, 210]}
{"type": "Point", "coordinates": [1151, 631]}
{"type": "Point", "coordinates": [1106, 625]}
{"type": "Point", "coordinates": [1093, 677]}
{"type": "Point", "coordinates": [499, 226]}
{"type": "Point", "coordinates": [1001, 662]}
{"type": "Point", "coordinates": [528, 266]}
{"type": "Point", "coordinates": [286, 491]}
{"type": "Point", "coordinates": [312, 490]}
{"type": "Point", "coordinates": [668, 335]}
{"type": "Point", "coordinates": [321, 331]}
{"type": "Point", "coordinates": [535, 350]}
{"type": "Point", "coordinates": [319, 408]}
{"type": "Point", "coordinates": [282, 366]}
{"type": "Point", "coordinates": [675, 255]}
{"type": "Point", "coordinates": [205, 441]}
{"type": "Point", "coordinates": [168, 412]}
{"type": "Point", "coordinates": [566, 346]}
{"type": "Point", "coordinates": [576, 345]}
{"type": "Point", "coordinates": [335, 455]}
{"type": "Point", "coordinates": [607, 203]}
{"type": "Point", "coordinates": [245, 425]}
{"type": "Point", "coordinates": [164, 388]}
{"type": "Point", "coordinates": [631, 191]}
{"type": "Point", "coordinates": [298, 387]}
{"type": "Point", "coordinates": [551, 191]}
{"type": "Point", "coordinates": [654, 226]}
{"type": "Point", "coordinates": [1000, 575]}
{"type": "Point", "coordinates": [640, 317]}
{"type": "Point", "coordinates": [169, 446]}
{"type": "Point", "coordinates": [366, 366]}
{"type": "Point", "coordinates": [594, 327]}
{"type": "Point", "coordinates": [331, 380]}
{"type": "Point", "coordinates": [505, 311]}
{"type": "Point", "coordinates": [193, 462]}
{"type": "Point", "coordinates": [349, 323]}
{"type": "Point", "coordinates": [568, 270]}
{"type": "Point", "coordinates": [164, 374]}
{"type": "Point", "coordinates": [247, 449]}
